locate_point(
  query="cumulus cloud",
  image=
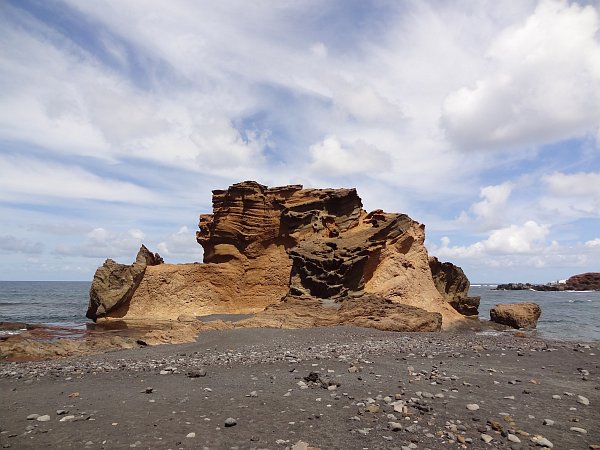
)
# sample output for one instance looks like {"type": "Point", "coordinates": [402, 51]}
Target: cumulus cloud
{"type": "Point", "coordinates": [181, 244]}
{"type": "Point", "coordinates": [575, 195]}
{"type": "Point", "coordinates": [491, 211]}
{"type": "Point", "coordinates": [594, 243]}
{"type": "Point", "coordinates": [514, 239]}
{"type": "Point", "coordinates": [12, 244]}
{"type": "Point", "coordinates": [330, 157]}
{"type": "Point", "coordinates": [540, 83]}
{"type": "Point", "coordinates": [104, 243]}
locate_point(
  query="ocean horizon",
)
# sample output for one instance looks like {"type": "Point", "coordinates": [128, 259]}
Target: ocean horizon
{"type": "Point", "coordinates": [566, 315]}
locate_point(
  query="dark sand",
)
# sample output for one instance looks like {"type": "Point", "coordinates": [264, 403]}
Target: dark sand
{"type": "Point", "coordinates": [253, 375]}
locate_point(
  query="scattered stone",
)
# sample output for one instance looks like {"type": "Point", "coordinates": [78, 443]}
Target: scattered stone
{"type": "Point", "coordinates": [230, 422]}
{"type": "Point", "coordinates": [542, 441]}
{"type": "Point", "coordinates": [197, 373]}
{"type": "Point", "coordinates": [44, 418]}
{"type": "Point", "coordinates": [472, 406]}
{"type": "Point", "coordinates": [583, 400]}
{"type": "Point", "coordinates": [191, 435]}
{"type": "Point", "coordinates": [513, 438]}
{"type": "Point", "coordinates": [32, 416]}
{"type": "Point", "coordinates": [548, 422]}
{"type": "Point", "coordinates": [395, 426]}
{"type": "Point", "coordinates": [486, 438]}
{"type": "Point", "coordinates": [576, 429]}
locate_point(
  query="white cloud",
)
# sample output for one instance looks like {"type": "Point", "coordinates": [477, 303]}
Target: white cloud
{"type": "Point", "coordinates": [491, 211]}
{"type": "Point", "coordinates": [12, 244]}
{"type": "Point", "coordinates": [540, 84]}
{"type": "Point", "coordinates": [574, 195]}
{"type": "Point", "coordinates": [330, 157]}
{"type": "Point", "coordinates": [104, 243]}
{"type": "Point", "coordinates": [181, 244]}
{"type": "Point", "coordinates": [33, 180]}
{"type": "Point", "coordinates": [594, 243]}
{"type": "Point", "coordinates": [515, 239]}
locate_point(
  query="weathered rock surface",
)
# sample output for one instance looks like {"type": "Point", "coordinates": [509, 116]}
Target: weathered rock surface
{"type": "Point", "coordinates": [114, 283]}
{"type": "Point", "coordinates": [262, 245]}
{"type": "Point", "coordinates": [584, 282]}
{"type": "Point", "coordinates": [453, 284]}
{"type": "Point", "coordinates": [516, 315]}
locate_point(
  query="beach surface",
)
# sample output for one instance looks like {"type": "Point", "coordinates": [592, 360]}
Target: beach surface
{"type": "Point", "coordinates": [329, 388]}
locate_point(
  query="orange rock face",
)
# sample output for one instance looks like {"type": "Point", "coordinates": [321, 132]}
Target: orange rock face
{"type": "Point", "coordinates": [262, 244]}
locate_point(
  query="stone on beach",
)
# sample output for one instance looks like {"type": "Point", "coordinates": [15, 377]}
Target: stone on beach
{"type": "Point", "coordinates": [516, 315]}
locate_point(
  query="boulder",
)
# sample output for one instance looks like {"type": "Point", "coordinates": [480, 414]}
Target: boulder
{"type": "Point", "coordinates": [516, 315]}
{"type": "Point", "coordinates": [262, 245]}
{"type": "Point", "coordinates": [584, 282]}
{"type": "Point", "coordinates": [114, 284]}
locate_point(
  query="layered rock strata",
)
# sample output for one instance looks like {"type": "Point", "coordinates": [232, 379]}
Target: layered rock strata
{"type": "Point", "coordinates": [278, 247]}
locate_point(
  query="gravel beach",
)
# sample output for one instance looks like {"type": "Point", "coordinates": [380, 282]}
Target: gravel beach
{"type": "Point", "coordinates": [329, 388]}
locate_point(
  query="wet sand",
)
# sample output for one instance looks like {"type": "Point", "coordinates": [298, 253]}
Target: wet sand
{"type": "Point", "coordinates": [368, 389]}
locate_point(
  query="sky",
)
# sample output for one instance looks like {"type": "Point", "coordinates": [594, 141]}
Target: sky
{"type": "Point", "coordinates": [480, 119]}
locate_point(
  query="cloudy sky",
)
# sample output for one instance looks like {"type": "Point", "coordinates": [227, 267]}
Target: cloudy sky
{"type": "Point", "coordinates": [480, 119]}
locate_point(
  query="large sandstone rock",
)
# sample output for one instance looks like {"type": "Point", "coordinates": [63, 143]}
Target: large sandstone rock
{"type": "Point", "coordinates": [584, 282]}
{"type": "Point", "coordinates": [114, 284]}
{"type": "Point", "coordinates": [516, 315]}
{"type": "Point", "coordinates": [262, 245]}
{"type": "Point", "coordinates": [453, 284]}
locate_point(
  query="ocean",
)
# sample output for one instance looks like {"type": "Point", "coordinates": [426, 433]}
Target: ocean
{"type": "Point", "coordinates": [565, 315]}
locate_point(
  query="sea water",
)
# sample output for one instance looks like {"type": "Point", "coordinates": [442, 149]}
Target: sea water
{"type": "Point", "coordinates": [565, 315]}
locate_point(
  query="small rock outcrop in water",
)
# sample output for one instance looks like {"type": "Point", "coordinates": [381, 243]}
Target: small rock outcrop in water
{"type": "Point", "coordinates": [516, 315]}
{"type": "Point", "coordinates": [453, 284]}
{"type": "Point", "coordinates": [584, 282]}
{"type": "Point", "coordinates": [530, 287]}
{"type": "Point", "coordinates": [268, 250]}
{"type": "Point", "coordinates": [114, 283]}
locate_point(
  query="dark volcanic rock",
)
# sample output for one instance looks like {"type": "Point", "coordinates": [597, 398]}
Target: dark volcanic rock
{"type": "Point", "coordinates": [584, 282]}
{"type": "Point", "coordinates": [453, 284]}
{"type": "Point", "coordinates": [114, 283]}
{"type": "Point", "coordinates": [516, 315]}
{"type": "Point", "coordinates": [529, 287]}
{"type": "Point", "coordinates": [467, 306]}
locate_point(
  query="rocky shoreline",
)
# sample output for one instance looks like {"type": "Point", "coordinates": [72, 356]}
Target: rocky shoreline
{"type": "Point", "coordinates": [334, 387]}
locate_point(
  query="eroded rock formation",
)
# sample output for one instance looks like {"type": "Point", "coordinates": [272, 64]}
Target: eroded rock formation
{"type": "Point", "coordinates": [114, 284]}
{"type": "Point", "coordinates": [316, 246]}
{"type": "Point", "coordinates": [516, 315]}
{"type": "Point", "coordinates": [453, 284]}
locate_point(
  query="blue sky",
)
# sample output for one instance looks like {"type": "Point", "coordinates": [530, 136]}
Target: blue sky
{"type": "Point", "coordinates": [480, 119]}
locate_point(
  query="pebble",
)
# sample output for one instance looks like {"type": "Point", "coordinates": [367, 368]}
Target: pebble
{"type": "Point", "coordinates": [32, 416]}
{"type": "Point", "coordinates": [230, 422]}
{"type": "Point", "coordinates": [486, 438]}
{"type": "Point", "coordinates": [191, 435]}
{"type": "Point", "coordinates": [579, 430]}
{"type": "Point", "coordinates": [583, 400]}
{"type": "Point", "coordinates": [548, 422]}
{"type": "Point", "coordinates": [513, 438]}
{"type": "Point", "coordinates": [395, 426]}
{"type": "Point", "coordinates": [542, 441]}
{"type": "Point", "coordinates": [472, 406]}
{"type": "Point", "coordinates": [44, 418]}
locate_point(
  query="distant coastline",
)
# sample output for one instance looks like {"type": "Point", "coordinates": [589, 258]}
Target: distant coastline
{"type": "Point", "coordinates": [589, 281]}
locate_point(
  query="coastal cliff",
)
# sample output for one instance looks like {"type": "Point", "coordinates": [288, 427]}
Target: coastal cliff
{"type": "Point", "coordinates": [276, 252]}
